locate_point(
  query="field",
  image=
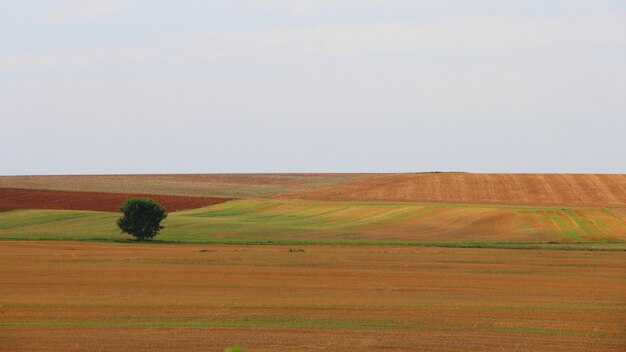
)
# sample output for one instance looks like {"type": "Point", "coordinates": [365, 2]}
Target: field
{"type": "Point", "coordinates": [531, 189]}
{"type": "Point", "coordinates": [107, 296]}
{"type": "Point", "coordinates": [16, 198]}
{"type": "Point", "coordinates": [316, 262]}
{"type": "Point", "coordinates": [468, 188]}
{"type": "Point", "coordinates": [205, 185]}
{"type": "Point", "coordinates": [302, 222]}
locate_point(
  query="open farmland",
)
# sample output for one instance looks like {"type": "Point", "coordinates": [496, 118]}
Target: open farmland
{"type": "Point", "coordinates": [61, 296]}
{"type": "Point", "coordinates": [467, 188]}
{"type": "Point", "coordinates": [530, 189]}
{"type": "Point", "coordinates": [292, 221]}
{"type": "Point", "coordinates": [206, 185]}
{"type": "Point", "coordinates": [316, 262]}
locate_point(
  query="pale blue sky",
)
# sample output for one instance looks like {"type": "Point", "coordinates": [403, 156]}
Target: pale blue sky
{"type": "Point", "coordinates": [312, 85]}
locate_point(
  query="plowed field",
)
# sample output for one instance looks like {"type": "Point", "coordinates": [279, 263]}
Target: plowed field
{"type": "Point", "coordinates": [80, 296]}
{"type": "Point", "coordinates": [14, 198]}
{"type": "Point", "coordinates": [532, 189]}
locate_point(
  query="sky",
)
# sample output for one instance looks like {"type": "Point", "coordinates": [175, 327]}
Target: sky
{"type": "Point", "coordinates": [147, 86]}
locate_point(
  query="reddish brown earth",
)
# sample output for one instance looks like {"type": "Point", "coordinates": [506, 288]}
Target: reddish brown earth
{"type": "Point", "coordinates": [15, 198]}
{"type": "Point", "coordinates": [531, 189]}
{"type": "Point", "coordinates": [81, 296]}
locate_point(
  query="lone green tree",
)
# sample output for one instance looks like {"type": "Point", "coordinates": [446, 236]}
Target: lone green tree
{"type": "Point", "coordinates": [142, 218]}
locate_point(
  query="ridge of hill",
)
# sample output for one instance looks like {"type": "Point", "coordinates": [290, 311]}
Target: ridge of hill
{"type": "Point", "coordinates": [596, 190]}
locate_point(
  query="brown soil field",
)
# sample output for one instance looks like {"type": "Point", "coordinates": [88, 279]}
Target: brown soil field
{"type": "Point", "coordinates": [514, 189]}
{"type": "Point", "coordinates": [15, 198]}
{"type": "Point", "coordinates": [208, 185]}
{"type": "Point", "coordinates": [81, 296]}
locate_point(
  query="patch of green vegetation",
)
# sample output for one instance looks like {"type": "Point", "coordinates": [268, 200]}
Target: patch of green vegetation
{"type": "Point", "coordinates": [17, 219]}
{"type": "Point", "coordinates": [327, 324]}
{"type": "Point", "coordinates": [563, 220]}
{"type": "Point", "coordinates": [542, 331]}
{"type": "Point", "coordinates": [616, 247]}
{"type": "Point", "coordinates": [295, 222]}
{"type": "Point", "coordinates": [613, 216]}
{"type": "Point", "coordinates": [584, 224]}
{"type": "Point", "coordinates": [234, 349]}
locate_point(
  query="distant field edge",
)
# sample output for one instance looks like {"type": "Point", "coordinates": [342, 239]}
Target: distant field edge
{"type": "Point", "coordinates": [555, 246]}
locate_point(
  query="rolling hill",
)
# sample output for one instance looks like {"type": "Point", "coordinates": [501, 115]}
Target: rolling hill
{"type": "Point", "coordinates": [520, 189]}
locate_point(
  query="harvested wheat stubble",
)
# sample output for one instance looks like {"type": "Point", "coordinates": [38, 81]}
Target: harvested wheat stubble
{"type": "Point", "coordinates": [262, 339]}
{"type": "Point", "coordinates": [15, 198]}
{"type": "Point", "coordinates": [61, 296]}
{"type": "Point", "coordinates": [530, 189]}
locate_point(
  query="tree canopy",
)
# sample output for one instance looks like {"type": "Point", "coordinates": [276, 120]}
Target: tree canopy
{"type": "Point", "coordinates": [142, 218]}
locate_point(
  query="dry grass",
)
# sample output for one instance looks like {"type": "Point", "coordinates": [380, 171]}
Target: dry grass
{"type": "Point", "coordinates": [61, 296]}
{"type": "Point", "coordinates": [531, 189]}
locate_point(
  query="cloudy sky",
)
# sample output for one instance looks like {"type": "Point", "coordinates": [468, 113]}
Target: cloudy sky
{"type": "Point", "coordinates": [143, 86]}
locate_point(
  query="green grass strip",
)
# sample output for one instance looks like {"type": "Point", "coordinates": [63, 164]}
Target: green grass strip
{"type": "Point", "coordinates": [291, 324]}
{"type": "Point", "coordinates": [236, 241]}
